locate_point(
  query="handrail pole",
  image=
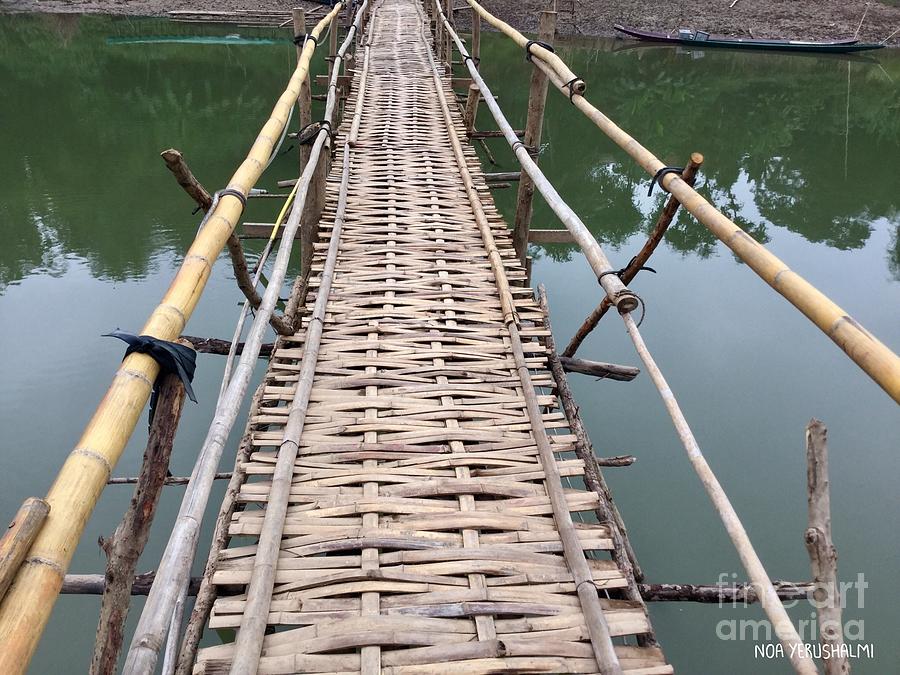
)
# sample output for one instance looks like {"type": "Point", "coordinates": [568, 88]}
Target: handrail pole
{"type": "Point", "coordinates": [26, 608]}
{"type": "Point", "coordinates": [869, 353]}
{"type": "Point", "coordinates": [775, 610]}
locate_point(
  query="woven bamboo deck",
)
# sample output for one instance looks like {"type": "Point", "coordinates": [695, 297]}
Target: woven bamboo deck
{"type": "Point", "coordinates": [419, 535]}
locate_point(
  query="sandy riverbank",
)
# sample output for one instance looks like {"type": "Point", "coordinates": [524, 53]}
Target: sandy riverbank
{"type": "Point", "coordinates": [798, 19]}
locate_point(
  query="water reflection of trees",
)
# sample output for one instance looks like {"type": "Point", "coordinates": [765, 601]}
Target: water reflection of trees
{"type": "Point", "coordinates": [781, 148]}
{"type": "Point", "coordinates": [84, 122]}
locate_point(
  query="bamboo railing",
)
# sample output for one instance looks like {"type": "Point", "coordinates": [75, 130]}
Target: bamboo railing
{"type": "Point", "coordinates": [26, 607]}
{"type": "Point", "coordinates": [870, 354]}
{"type": "Point", "coordinates": [783, 626]}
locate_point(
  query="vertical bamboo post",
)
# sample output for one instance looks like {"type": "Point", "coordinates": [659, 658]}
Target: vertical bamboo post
{"type": "Point", "coordinates": [472, 99]}
{"type": "Point", "coordinates": [656, 235]}
{"type": "Point", "coordinates": [475, 51]}
{"type": "Point", "coordinates": [537, 99]}
{"type": "Point", "coordinates": [18, 538]}
{"type": "Point", "coordinates": [332, 45]}
{"type": "Point", "coordinates": [304, 101]}
{"type": "Point", "coordinates": [124, 547]}
{"type": "Point", "coordinates": [448, 48]}
{"type": "Point", "coordinates": [822, 554]}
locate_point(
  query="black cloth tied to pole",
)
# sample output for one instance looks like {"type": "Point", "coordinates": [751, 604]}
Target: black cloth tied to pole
{"type": "Point", "coordinates": [171, 357]}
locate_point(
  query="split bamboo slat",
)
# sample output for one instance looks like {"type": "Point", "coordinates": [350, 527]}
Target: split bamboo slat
{"type": "Point", "coordinates": [27, 605]}
{"type": "Point", "coordinates": [422, 529]}
{"type": "Point", "coordinates": [869, 353]}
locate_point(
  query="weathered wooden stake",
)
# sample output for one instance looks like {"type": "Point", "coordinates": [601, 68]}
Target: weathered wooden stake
{"type": "Point", "coordinates": [609, 371]}
{"type": "Point", "coordinates": [822, 554]}
{"type": "Point", "coordinates": [332, 45]}
{"type": "Point", "coordinates": [18, 538]}
{"type": "Point", "coordinates": [472, 99]}
{"type": "Point", "coordinates": [304, 101]}
{"type": "Point", "coordinates": [666, 216]}
{"type": "Point", "coordinates": [124, 547]}
{"type": "Point", "coordinates": [537, 99]}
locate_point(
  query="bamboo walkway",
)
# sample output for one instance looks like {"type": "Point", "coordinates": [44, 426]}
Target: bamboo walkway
{"type": "Point", "coordinates": [419, 534]}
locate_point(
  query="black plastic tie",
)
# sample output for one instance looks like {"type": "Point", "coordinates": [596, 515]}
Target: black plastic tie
{"type": "Point", "coordinates": [474, 59]}
{"type": "Point", "coordinates": [570, 85]}
{"type": "Point", "coordinates": [234, 193]}
{"type": "Point", "coordinates": [657, 178]}
{"type": "Point", "coordinates": [298, 39]}
{"type": "Point", "coordinates": [528, 44]}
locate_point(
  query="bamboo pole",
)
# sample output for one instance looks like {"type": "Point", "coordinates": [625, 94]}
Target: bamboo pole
{"type": "Point", "coordinates": [534, 124]}
{"type": "Point", "coordinates": [255, 617]}
{"type": "Point", "coordinates": [124, 547]}
{"type": "Point", "coordinates": [18, 538]}
{"type": "Point", "coordinates": [656, 236]}
{"type": "Point", "coordinates": [304, 101]}
{"type": "Point", "coordinates": [781, 622]}
{"type": "Point", "coordinates": [822, 554]}
{"type": "Point", "coordinates": [174, 567]}
{"type": "Point", "coordinates": [584, 450]}
{"type": "Point", "coordinates": [597, 628]}
{"type": "Point", "coordinates": [784, 629]}
{"type": "Point", "coordinates": [206, 590]}
{"type": "Point", "coordinates": [619, 294]}
{"type": "Point", "coordinates": [554, 62]}
{"type": "Point", "coordinates": [869, 353]}
{"type": "Point", "coordinates": [608, 371]}
{"type": "Point", "coordinates": [27, 605]}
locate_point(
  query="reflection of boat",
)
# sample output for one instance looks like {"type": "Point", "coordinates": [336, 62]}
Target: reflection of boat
{"type": "Point", "coordinates": [700, 38]}
{"type": "Point", "coordinates": [232, 39]}
{"type": "Point", "coordinates": [697, 52]}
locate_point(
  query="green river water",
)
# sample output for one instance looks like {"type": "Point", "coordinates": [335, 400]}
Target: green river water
{"type": "Point", "coordinates": [801, 151]}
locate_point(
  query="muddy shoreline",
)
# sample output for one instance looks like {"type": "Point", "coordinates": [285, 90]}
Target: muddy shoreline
{"type": "Point", "coordinates": [795, 19]}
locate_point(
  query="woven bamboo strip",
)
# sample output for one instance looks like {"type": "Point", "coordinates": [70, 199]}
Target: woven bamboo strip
{"type": "Point", "coordinates": [421, 527]}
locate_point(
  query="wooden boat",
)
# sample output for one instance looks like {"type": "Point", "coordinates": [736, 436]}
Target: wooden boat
{"type": "Point", "coordinates": [701, 38]}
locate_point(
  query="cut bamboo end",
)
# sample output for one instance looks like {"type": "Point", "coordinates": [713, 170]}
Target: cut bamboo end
{"type": "Point", "coordinates": [18, 538]}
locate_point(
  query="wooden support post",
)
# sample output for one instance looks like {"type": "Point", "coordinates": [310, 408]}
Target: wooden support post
{"type": "Point", "coordinates": [304, 101]}
{"type": "Point", "coordinates": [124, 547]}
{"type": "Point", "coordinates": [607, 512]}
{"type": "Point", "coordinates": [18, 538]}
{"type": "Point", "coordinates": [472, 99]}
{"type": "Point", "coordinates": [822, 554]}
{"type": "Point", "coordinates": [537, 99]}
{"type": "Point", "coordinates": [666, 216]}
{"type": "Point", "coordinates": [448, 47]}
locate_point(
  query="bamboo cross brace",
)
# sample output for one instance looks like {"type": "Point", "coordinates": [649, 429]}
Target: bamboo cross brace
{"type": "Point", "coordinates": [631, 270]}
{"type": "Point", "coordinates": [178, 166]}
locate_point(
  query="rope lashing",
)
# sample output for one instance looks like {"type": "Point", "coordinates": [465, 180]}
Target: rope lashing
{"type": "Point", "coordinates": [474, 59]}
{"type": "Point", "coordinates": [307, 133]}
{"type": "Point", "coordinates": [539, 43]}
{"type": "Point", "coordinates": [570, 85]}
{"type": "Point", "coordinates": [298, 39]}
{"type": "Point", "coordinates": [657, 177]}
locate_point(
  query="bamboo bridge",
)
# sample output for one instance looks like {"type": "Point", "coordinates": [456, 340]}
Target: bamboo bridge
{"type": "Point", "coordinates": [414, 490]}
